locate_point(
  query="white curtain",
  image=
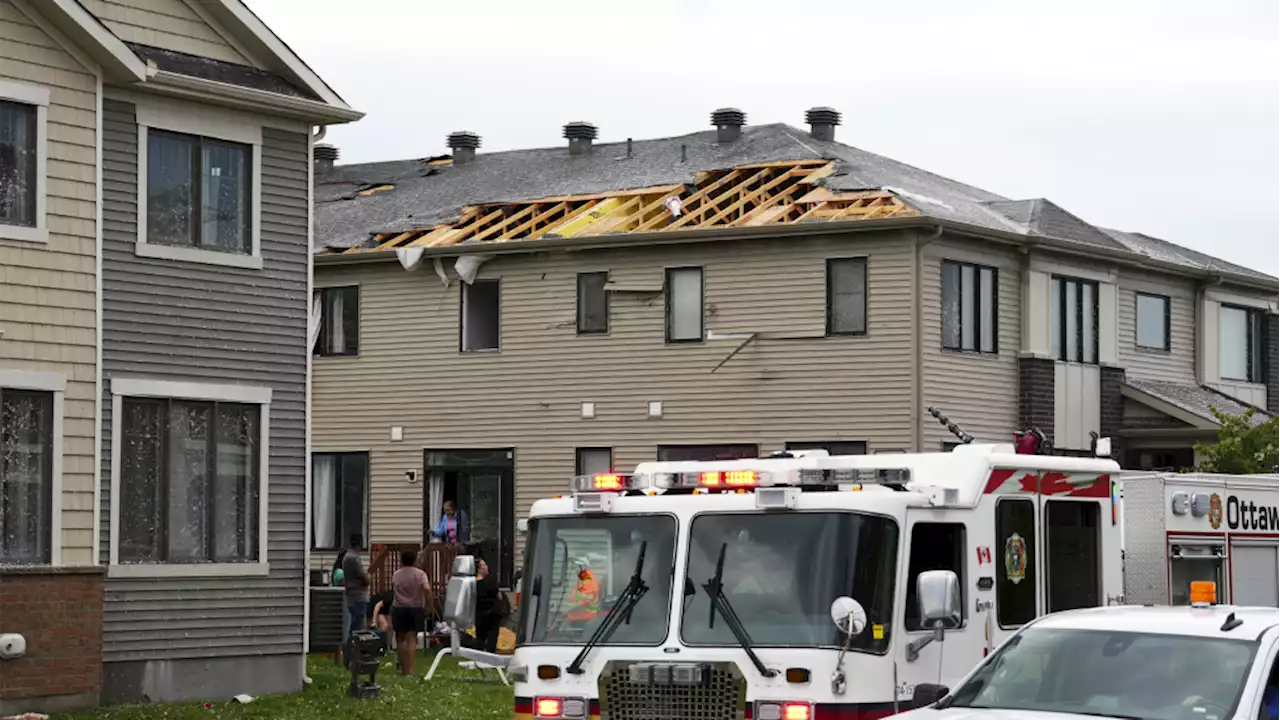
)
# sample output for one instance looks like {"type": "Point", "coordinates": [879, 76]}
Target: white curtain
{"type": "Point", "coordinates": [337, 340]}
{"type": "Point", "coordinates": [316, 315]}
{"type": "Point", "coordinates": [435, 496]}
{"type": "Point", "coordinates": [324, 498]}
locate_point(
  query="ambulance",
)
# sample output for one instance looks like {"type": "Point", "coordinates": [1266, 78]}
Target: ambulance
{"type": "Point", "coordinates": [801, 586]}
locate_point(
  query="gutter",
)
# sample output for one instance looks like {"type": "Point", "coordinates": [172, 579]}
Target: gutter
{"type": "Point", "coordinates": [313, 111]}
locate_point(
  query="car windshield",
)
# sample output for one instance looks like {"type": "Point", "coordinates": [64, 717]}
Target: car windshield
{"type": "Point", "coordinates": [783, 570]}
{"type": "Point", "coordinates": [576, 567]}
{"type": "Point", "coordinates": [1113, 674]}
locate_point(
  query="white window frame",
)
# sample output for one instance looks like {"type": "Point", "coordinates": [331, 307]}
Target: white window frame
{"type": "Point", "coordinates": [39, 97]}
{"type": "Point", "coordinates": [55, 383]}
{"type": "Point", "coordinates": [209, 123]}
{"type": "Point", "coordinates": [122, 388]}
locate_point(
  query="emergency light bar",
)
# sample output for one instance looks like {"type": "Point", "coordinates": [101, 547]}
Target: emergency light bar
{"type": "Point", "coordinates": [738, 479]}
{"type": "Point", "coordinates": [603, 482]}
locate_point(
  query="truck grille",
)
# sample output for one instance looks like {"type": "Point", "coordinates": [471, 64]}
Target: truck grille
{"type": "Point", "coordinates": [720, 695]}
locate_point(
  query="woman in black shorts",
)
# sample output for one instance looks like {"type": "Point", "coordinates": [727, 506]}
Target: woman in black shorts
{"type": "Point", "coordinates": [409, 611]}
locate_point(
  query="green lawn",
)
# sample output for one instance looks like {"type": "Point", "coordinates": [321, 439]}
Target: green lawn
{"type": "Point", "coordinates": [449, 695]}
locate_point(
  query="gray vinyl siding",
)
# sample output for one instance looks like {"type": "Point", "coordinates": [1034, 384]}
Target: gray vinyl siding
{"type": "Point", "coordinates": [1178, 364]}
{"type": "Point", "coordinates": [170, 320]}
{"type": "Point", "coordinates": [791, 384]}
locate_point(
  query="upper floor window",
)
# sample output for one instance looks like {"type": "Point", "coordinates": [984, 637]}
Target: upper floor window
{"type": "Point", "coordinates": [684, 304]}
{"type": "Point", "coordinates": [707, 453]}
{"type": "Point", "coordinates": [593, 303]}
{"type": "Point", "coordinates": [1240, 344]}
{"type": "Point", "coordinates": [847, 296]}
{"type": "Point", "coordinates": [833, 447]}
{"type": "Point", "coordinates": [968, 307]}
{"type": "Point", "coordinates": [23, 122]}
{"type": "Point", "coordinates": [593, 460]}
{"type": "Point", "coordinates": [1073, 317]}
{"type": "Point", "coordinates": [481, 313]}
{"type": "Point", "coordinates": [1152, 313]}
{"type": "Point", "coordinates": [26, 476]}
{"type": "Point", "coordinates": [198, 192]}
{"type": "Point", "coordinates": [339, 321]}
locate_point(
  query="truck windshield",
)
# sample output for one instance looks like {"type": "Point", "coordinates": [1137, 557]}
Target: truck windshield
{"type": "Point", "coordinates": [783, 570]}
{"type": "Point", "coordinates": [1112, 674]}
{"type": "Point", "coordinates": [575, 569]}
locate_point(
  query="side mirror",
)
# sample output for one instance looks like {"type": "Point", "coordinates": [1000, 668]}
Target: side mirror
{"type": "Point", "coordinates": [927, 694]}
{"type": "Point", "coordinates": [849, 615]}
{"type": "Point", "coordinates": [938, 597]}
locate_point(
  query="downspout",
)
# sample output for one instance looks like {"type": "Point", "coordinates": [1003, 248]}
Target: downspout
{"type": "Point", "coordinates": [917, 355]}
{"type": "Point", "coordinates": [319, 134]}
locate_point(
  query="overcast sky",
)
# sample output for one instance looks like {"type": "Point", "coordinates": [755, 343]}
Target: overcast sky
{"type": "Point", "coordinates": [1157, 116]}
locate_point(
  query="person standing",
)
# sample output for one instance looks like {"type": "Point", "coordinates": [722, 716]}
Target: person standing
{"type": "Point", "coordinates": [356, 583]}
{"type": "Point", "coordinates": [409, 610]}
{"type": "Point", "coordinates": [453, 527]}
{"type": "Point", "coordinates": [490, 610]}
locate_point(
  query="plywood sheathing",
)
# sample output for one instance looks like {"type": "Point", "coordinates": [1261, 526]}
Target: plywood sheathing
{"type": "Point", "coordinates": [746, 195]}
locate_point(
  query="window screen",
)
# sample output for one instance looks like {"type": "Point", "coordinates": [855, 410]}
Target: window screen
{"type": "Point", "coordinates": [1015, 562]}
{"type": "Point", "coordinates": [593, 303]}
{"type": "Point", "coordinates": [684, 304]}
{"type": "Point", "coordinates": [846, 296]}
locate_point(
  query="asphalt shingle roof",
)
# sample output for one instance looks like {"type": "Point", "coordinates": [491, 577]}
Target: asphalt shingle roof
{"type": "Point", "coordinates": [1196, 399]}
{"type": "Point", "coordinates": [218, 70]}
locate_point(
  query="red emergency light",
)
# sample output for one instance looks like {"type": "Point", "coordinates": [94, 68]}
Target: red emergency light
{"type": "Point", "coordinates": [728, 479]}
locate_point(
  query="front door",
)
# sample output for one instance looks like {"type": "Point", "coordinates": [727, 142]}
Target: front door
{"type": "Point", "coordinates": [481, 486]}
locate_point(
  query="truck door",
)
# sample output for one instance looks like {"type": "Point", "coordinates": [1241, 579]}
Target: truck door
{"type": "Point", "coordinates": [1072, 551]}
{"type": "Point", "coordinates": [1018, 562]}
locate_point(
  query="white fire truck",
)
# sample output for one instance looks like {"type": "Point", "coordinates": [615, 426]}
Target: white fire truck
{"type": "Point", "coordinates": [801, 585]}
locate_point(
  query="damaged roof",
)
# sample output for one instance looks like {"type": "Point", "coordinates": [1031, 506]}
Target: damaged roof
{"type": "Point", "coordinates": [1198, 400]}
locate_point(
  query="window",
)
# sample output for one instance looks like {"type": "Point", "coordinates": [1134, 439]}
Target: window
{"type": "Point", "coordinates": [23, 160]}
{"type": "Point", "coordinates": [704, 453]}
{"type": "Point", "coordinates": [836, 447]}
{"type": "Point", "coordinates": [26, 476]}
{"type": "Point", "coordinates": [591, 461]}
{"type": "Point", "coordinates": [1074, 563]}
{"type": "Point", "coordinates": [1014, 557]}
{"type": "Point", "coordinates": [339, 321]}
{"type": "Point", "coordinates": [199, 193]}
{"type": "Point", "coordinates": [934, 546]}
{"type": "Point", "coordinates": [968, 307]}
{"type": "Point", "coordinates": [339, 493]}
{"type": "Point", "coordinates": [188, 478]}
{"type": "Point", "coordinates": [846, 296]}
{"type": "Point", "coordinates": [480, 315]}
{"type": "Point", "coordinates": [593, 303]}
{"type": "Point", "coordinates": [1153, 321]}
{"type": "Point", "coordinates": [1074, 320]}
{"type": "Point", "coordinates": [684, 304]}
{"type": "Point", "coordinates": [1240, 344]}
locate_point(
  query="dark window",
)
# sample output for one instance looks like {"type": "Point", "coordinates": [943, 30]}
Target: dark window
{"type": "Point", "coordinates": [1014, 557]}
{"type": "Point", "coordinates": [198, 192]}
{"type": "Point", "coordinates": [593, 303]}
{"type": "Point", "coordinates": [846, 296]}
{"type": "Point", "coordinates": [1165, 459]}
{"type": "Point", "coordinates": [934, 546]}
{"type": "Point", "coordinates": [703, 453]}
{"type": "Point", "coordinates": [18, 162]}
{"type": "Point", "coordinates": [480, 315]}
{"type": "Point", "coordinates": [339, 321]}
{"type": "Point", "coordinates": [189, 481]}
{"type": "Point", "coordinates": [684, 304]}
{"type": "Point", "coordinates": [833, 447]}
{"type": "Point", "coordinates": [968, 307]}
{"type": "Point", "coordinates": [593, 460]}
{"type": "Point", "coordinates": [1152, 313]}
{"type": "Point", "coordinates": [339, 497]}
{"type": "Point", "coordinates": [26, 476]}
{"type": "Point", "coordinates": [1074, 320]}
{"type": "Point", "coordinates": [1240, 344]}
{"type": "Point", "coordinates": [1074, 565]}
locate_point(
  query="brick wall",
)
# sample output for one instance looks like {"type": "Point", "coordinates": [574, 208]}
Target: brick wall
{"type": "Point", "coordinates": [1272, 354]}
{"type": "Point", "coordinates": [1035, 395]}
{"type": "Point", "coordinates": [59, 612]}
{"type": "Point", "coordinates": [1111, 408]}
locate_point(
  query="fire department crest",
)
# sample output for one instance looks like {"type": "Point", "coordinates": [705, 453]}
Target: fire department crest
{"type": "Point", "coordinates": [1215, 511]}
{"type": "Point", "coordinates": [1015, 558]}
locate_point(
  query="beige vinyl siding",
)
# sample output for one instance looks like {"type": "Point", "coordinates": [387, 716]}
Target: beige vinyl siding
{"type": "Point", "coordinates": [792, 383]}
{"type": "Point", "coordinates": [48, 302]}
{"type": "Point", "coordinates": [1179, 363]}
{"type": "Point", "coordinates": [979, 392]}
{"type": "Point", "coordinates": [168, 24]}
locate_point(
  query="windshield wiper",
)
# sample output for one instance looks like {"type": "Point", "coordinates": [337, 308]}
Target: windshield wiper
{"type": "Point", "coordinates": [617, 614]}
{"type": "Point", "coordinates": [720, 602]}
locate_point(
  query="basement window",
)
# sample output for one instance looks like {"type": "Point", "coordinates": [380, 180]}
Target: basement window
{"type": "Point", "coordinates": [593, 303]}
{"type": "Point", "coordinates": [480, 313]}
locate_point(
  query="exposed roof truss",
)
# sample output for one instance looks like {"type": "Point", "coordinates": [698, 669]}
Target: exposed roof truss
{"type": "Point", "coordinates": [747, 195]}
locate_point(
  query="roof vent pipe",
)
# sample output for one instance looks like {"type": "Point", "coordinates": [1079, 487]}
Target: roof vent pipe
{"type": "Point", "coordinates": [728, 122]}
{"type": "Point", "coordinates": [463, 144]}
{"type": "Point", "coordinates": [324, 156]}
{"type": "Point", "coordinates": [580, 134]}
{"type": "Point", "coordinates": [822, 123]}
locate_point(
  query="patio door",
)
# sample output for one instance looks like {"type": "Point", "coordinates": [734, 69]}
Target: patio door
{"type": "Point", "coordinates": [480, 484]}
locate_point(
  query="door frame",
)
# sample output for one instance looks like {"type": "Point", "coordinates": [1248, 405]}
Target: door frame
{"type": "Point", "coordinates": [506, 506]}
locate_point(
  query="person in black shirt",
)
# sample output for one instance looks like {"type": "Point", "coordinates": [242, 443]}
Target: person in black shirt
{"type": "Point", "coordinates": [490, 609]}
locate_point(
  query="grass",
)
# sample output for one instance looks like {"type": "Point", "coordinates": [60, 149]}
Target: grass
{"type": "Point", "coordinates": [454, 693]}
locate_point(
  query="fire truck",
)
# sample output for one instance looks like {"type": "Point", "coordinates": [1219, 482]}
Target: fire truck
{"type": "Point", "coordinates": [802, 585]}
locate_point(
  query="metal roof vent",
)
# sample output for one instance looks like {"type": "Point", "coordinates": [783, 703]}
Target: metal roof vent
{"type": "Point", "coordinates": [464, 144]}
{"type": "Point", "coordinates": [580, 134]}
{"type": "Point", "coordinates": [822, 122]}
{"type": "Point", "coordinates": [324, 156]}
{"type": "Point", "coordinates": [728, 122]}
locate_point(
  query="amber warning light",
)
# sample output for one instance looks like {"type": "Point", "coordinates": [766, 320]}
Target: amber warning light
{"type": "Point", "coordinates": [602, 482]}
{"type": "Point", "coordinates": [728, 479]}
{"type": "Point", "coordinates": [1204, 592]}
